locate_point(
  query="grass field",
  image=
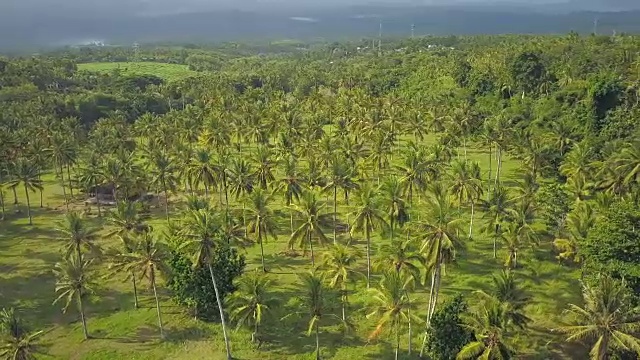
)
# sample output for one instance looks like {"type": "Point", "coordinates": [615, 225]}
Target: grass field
{"type": "Point", "coordinates": [122, 332]}
{"type": "Point", "coordinates": [165, 71]}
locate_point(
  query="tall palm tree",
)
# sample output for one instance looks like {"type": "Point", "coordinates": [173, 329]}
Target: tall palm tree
{"type": "Point", "coordinates": [146, 259]}
{"type": "Point", "coordinates": [290, 186]}
{"type": "Point", "coordinates": [338, 267]}
{"type": "Point", "coordinates": [392, 305]}
{"type": "Point", "coordinates": [607, 317]}
{"type": "Point", "coordinates": [401, 256]}
{"type": "Point", "coordinates": [74, 283]}
{"type": "Point", "coordinates": [264, 168]}
{"type": "Point", "coordinates": [262, 221]}
{"type": "Point", "coordinates": [511, 295]}
{"type": "Point", "coordinates": [310, 212]}
{"type": "Point", "coordinates": [163, 175]}
{"type": "Point", "coordinates": [341, 176]}
{"type": "Point", "coordinates": [252, 302]}
{"type": "Point", "coordinates": [241, 180]}
{"type": "Point", "coordinates": [201, 230]}
{"type": "Point", "coordinates": [315, 300]}
{"type": "Point", "coordinates": [394, 203]}
{"type": "Point", "coordinates": [17, 342]}
{"type": "Point", "coordinates": [201, 170]}
{"type": "Point", "coordinates": [579, 222]}
{"type": "Point", "coordinates": [77, 235]}
{"type": "Point", "coordinates": [91, 177]}
{"type": "Point", "coordinates": [61, 153]}
{"type": "Point", "coordinates": [366, 218]}
{"type": "Point", "coordinates": [627, 163]}
{"type": "Point", "coordinates": [490, 326]}
{"type": "Point", "coordinates": [497, 210]}
{"type": "Point", "coordinates": [27, 174]}
{"type": "Point", "coordinates": [466, 186]}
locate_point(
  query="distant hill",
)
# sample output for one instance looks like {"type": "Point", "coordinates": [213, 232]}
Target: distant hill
{"type": "Point", "coordinates": [338, 23]}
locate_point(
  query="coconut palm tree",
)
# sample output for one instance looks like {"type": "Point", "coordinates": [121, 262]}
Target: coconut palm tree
{"type": "Point", "coordinates": [201, 170]}
{"type": "Point", "coordinates": [74, 283]}
{"type": "Point", "coordinates": [490, 326]}
{"type": "Point", "coordinates": [316, 302]}
{"type": "Point", "coordinates": [511, 295]}
{"type": "Point", "coordinates": [391, 305]}
{"type": "Point", "coordinates": [394, 203]}
{"type": "Point", "coordinates": [340, 176]}
{"type": "Point", "coordinates": [466, 186]}
{"type": "Point", "coordinates": [147, 259]}
{"type": "Point", "coordinates": [61, 152]}
{"type": "Point", "coordinates": [310, 212]}
{"type": "Point", "coordinates": [367, 217]}
{"type": "Point", "coordinates": [163, 175]}
{"type": "Point", "coordinates": [252, 302]}
{"type": "Point", "coordinates": [338, 267]}
{"type": "Point", "coordinates": [17, 342]}
{"type": "Point", "coordinates": [241, 180]}
{"type": "Point", "coordinates": [91, 177]}
{"type": "Point", "coordinates": [415, 171]}
{"type": "Point", "coordinates": [579, 222]}
{"type": "Point", "coordinates": [262, 220]}
{"type": "Point", "coordinates": [25, 172]}
{"type": "Point", "coordinates": [264, 167]}
{"type": "Point", "coordinates": [401, 256]}
{"type": "Point", "coordinates": [627, 163]}
{"type": "Point", "coordinates": [78, 235]}
{"type": "Point", "coordinates": [608, 318]}
{"type": "Point", "coordinates": [201, 230]}
{"type": "Point", "coordinates": [290, 186]}
{"type": "Point", "coordinates": [497, 210]}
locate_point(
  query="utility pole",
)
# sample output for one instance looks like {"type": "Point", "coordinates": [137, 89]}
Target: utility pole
{"type": "Point", "coordinates": [380, 40]}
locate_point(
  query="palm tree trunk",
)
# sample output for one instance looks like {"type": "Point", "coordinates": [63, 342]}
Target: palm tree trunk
{"type": "Point", "coordinates": [317, 341]}
{"type": "Point", "coordinates": [313, 261]}
{"type": "Point", "coordinates": [244, 219]}
{"type": "Point", "coordinates": [397, 337]}
{"type": "Point", "coordinates": [222, 320]}
{"type": "Point", "coordinates": [409, 320]}
{"type": "Point", "coordinates": [69, 180]}
{"type": "Point", "coordinates": [471, 222]}
{"type": "Point", "coordinates": [155, 294]}
{"type": "Point", "coordinates": [495, 241]}
{"type": "Point", "coordinates": [166, 199]}
{"type": "Point", "coordinates": [490, 169]}
{"type": "Point", "coordinates": [464, 145]}
{"type": "Point", "coordinates": [368, 235]}
{"type": "Point", "coordinates": [2, 216]}
{"type": "Point", "coordinates": [95, 186]}
{"type": "Point", "coordinates": [41, 195]}
{"type": "Point", "coordinates": [264, 269]}
{"type": "Point", "coordinates": [344, 304]}
{"type": "Point", "coordinates": [82, 317]}
{"type": "Point", "coordinates": [291, 220]}
{"type": "Point", "coordinates": [26, 192]}
{"type": "Point", "coordinates": [515, 259]}
{"type": "Point", "coordinates": [437, 290]}
{"type": "Point", "coordinates": [135, 290]}
{"type": "Point", "coordinates": [15, 196]}
{"type": "Point", "coordinates": [335, 213]}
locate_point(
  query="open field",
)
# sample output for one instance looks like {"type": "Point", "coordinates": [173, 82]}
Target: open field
{"type": "Point", "coordinates": [122, 332]}
{"type": "Point", "coordinates": [165, 71]}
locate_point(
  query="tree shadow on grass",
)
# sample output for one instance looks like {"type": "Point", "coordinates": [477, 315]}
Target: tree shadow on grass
{"type": "Point", "coordinates": [287, 263]}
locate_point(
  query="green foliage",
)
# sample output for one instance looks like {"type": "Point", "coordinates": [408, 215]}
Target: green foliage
{"type": "Point", "coordinates": [553, 203]}
{"type": "Point", "coordinates": [192, 287]}
{"type": "Point", "coordinates": [446, 335]}
{"type": "Point", "coordinates": [613, 244]}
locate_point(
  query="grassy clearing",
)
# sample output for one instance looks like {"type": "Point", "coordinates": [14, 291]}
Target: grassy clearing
{"type": "Point", "coordinates": [122, 332]}
{"type": "Point", "coordinates": [165, 71]}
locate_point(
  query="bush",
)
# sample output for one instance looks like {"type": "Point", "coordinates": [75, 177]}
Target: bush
{"type": "Point", "coordinates": [446, 335]}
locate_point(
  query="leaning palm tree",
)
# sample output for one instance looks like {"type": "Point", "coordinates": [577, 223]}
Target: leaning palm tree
{"type": "Point", "coordinates": [25, 172]}
{"type": "Point", "coordinates": [74, 283]}
{"type": "Point", "coordinates": [392, 306]}
{"type": "Point", "coordinates": [17, 342]}
{"type": "Point", "coordinates": [367, 217]}
{"type": "Point", "coordinates": [608, 317]}
{"type": "Point", "coordinates": [310, 211]}
{"type": "Point", "coordinates": [147, 259]}
{"type": "Point", "coordinates": [262, 221]}
{"type": "Point", "coordinates": [339, 268]}
{"type": "Point", "coordinates": [77, 235]}
{"type": "Point", "coordinates": [202, 232]}
{"type": "Point", "coordinates": [252, 302]}
{"type": "Point", "coordinates": [490, 326]}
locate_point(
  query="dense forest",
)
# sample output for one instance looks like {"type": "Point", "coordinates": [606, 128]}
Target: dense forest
{"type": "Point", "coordinates": [433, 197]}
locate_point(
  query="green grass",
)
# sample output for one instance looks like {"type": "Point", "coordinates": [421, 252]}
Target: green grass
{"type": "Point", "coordinates": [165, 71]}
{"type": "Point", "coordinates": [122, 332]}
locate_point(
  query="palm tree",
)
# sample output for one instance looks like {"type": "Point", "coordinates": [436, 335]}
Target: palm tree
{"type": "Point", "coordinates": [74, 283]}
{"type": "Point", "coordinates": [163, 172]}
{"type": "Point", "coordinates": [579, 222]}
{"type": "Point", "coordinates": [261, 219]}
{"type": "Point", "coordinates": [147, 259]}
{"type": "Point", "coordinates": [466, 185]}
{"type": "Point", "coordinates": [27, 174]}
{"type": "Point", "coordinates": [264, 168]}
{"type": "Point", "coordinates": [252, 302]}
{"type": "Point", "coordinates": [310, 210]}
{"type": "Point", "coordinates": [18, 343]}
{"type": "Point", "coordinates": [201, 170]}
{"type": "Point", "coordinates": [392, 305]}
{"type": "Point", "coordinates": [393, 201]}
{"type": "Point", "coordinates": [315, 301]}
{"type": "Point", "coordinates": [338, 268]}
{"type": "Point", "coordinates": [77, 235]}
{"type": "Point", "coordinates": [366, 218]}
{"type": "Point", "coordinates": [61, 152]}
{"type": "Point", "coordinates": [291, 186]}
{"type": "Point", "coordinates": [341, 176]}
{"type": "Point", "coordinates": [627, 163]}
{"type": "Point", "coordinates": [241, 181]}
{"type": "Point", "coordinates": [201, 231]}
{"type": "Point", "coordinates": [402, 257]}
{"type": "Point", "coordinates": [497, 210]}
{"type": "Point", "coordinates": [490, 325]}
{"type": "Point", "coordinates": [513, 298]}
{"type": "Point", "coordinates": [91, 177]}
{"type": "Point", "coordinates": [607, 317]}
